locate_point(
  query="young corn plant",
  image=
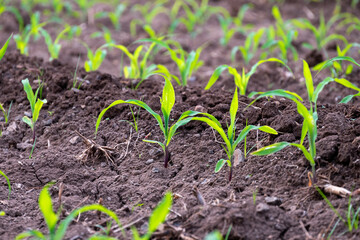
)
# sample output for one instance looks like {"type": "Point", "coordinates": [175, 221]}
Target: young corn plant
{"type": "Point", "coordinates": [148, 11]}
{"type": "Point", "coordinates": [321, 33]}
{"type": "Point", "coordinates": [2, 213]}
{"type": "Point", "coordinates": [22, 40]}
{"type": "Point", "coordinates": [250, 48]}
{"type": "Point", "coordinates": [35, 25]}
{"type": "Point", "coordinates": [113, 16]}
{"type": "Point", "coordinates": [138, 69]}
{"type": "Point", "coordinates": [106, 35]}
{"type": "Point", "coordinates": [94, 59]}
{"type": "Point", "coordinates": [6, 115]}
{"type": "Point", "coordinates": [158, 216]}
{"type": "Point", "coordinates": [231, 142]}
{"type": "Point", "coordinates": [187, 63]}
{"type": "Point", "coordinates": [4, 48]}
{"type": "Point", "coordinates": [167, 102]}
{"type": "Point", "coordinates": [56, 228]}
{"type": "Point", "coordinates": [337, 69]}
{"type": "Point", "coordinates": [310, 116]}
{"type": "Point", "coordinates": [241, 81]}
{"type": "Point", "coordinates": [53, 47]}
{"type": "Point", "coordinates": [35, 105]}
{"type": "Point", "coordinates": [228, 31]}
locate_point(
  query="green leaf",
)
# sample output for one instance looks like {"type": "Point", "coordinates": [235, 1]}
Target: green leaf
{"type": "Point", "coordinates": [308, 80]}
{"type": "Point", "coordinates": [233, 110]}
{"type": "Point", "coordinates": [253, 69]}
{"type": "Point", "coordinates": [134, 102]}
{"type": "Point", "coordinates": [320, 87]}
{"type": "Point", "coordinates": [248, 128]}
{"type": "Point", "coordinates": [29, 93]}
{"type": "Point", "coordinates": [32, 233]}
{"type": "Point", "coordinates": [37, 109]}
{"type": "Point", "coordinates": [28, 121]}
{"type": "Point", "coordinates": [167, 101]}
{"type": "Point", "coordinates": [7, 180]}
{"type": "Point", "coordinates": [46, 209]}
{"type": "Point", "coordinates": [305, 152]}
{"type": "Point", "coordinates": [157, 142]}
{"type": "Point", "coordinates": [159, 214]}
{"type": "Point", "coordinates": [4, 48]}
{"type": "Point", "coordinates": [216, 75]}
{"type": "Point", "coordinates": [344, 58]}
{"type": "Point", "coordinates": [273, 148]}
{"type": "Point", "coordinates": [219, 165]}
{"type": "Point", "coordinates": [347, 84]}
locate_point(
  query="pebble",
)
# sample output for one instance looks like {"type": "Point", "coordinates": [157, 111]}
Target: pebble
{"type": "Point", "coordinates": [273, 201]}
{"type": "Point", "coordinates": [155, 170]}
{"type": "Point", "coordinates": [23, 146]}
{"type": "Point", "coordinates": [196, 135]}
{"type": "Point", "coordinates": [28, 114]}
{"type": "Point", "coordinates": [200, 108]}
{"type": "Point", "coordinates": [149, 161]}
{"type": "Point", "coordinates": [12, 127]}
{"type": "Point", "coordinates": [74, 140]}
{"type": "Point", "coordinates": [262, 207]}
{"type": "Point", "coordinates": [155, 152]}
{"type": "Point", "coordinates": [48, 122]}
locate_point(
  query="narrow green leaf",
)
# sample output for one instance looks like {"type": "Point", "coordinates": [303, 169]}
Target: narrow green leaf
{"type": "Point", "coordinates": [157, 142]}
{"type": "Point", "coordinates": [219, 165]}
{"type": "Point", "coordinates": [4, 48]}
{"type": "Point", "coordinates": [308, 80]}
{"type": "Point", "coordinates": [28, 121]}
{"type": "Point", "coordinates": [37, 109]}
{"type": "Point", "coordinates": [216, 75]}
{"type": "Point", "coordinates": [167, 101]}
{"type": "Point", "coordinates": [159, 214]}
{"type": "Point", "coordinates": [29, 93]}
{"type": "Point", "coordinates": [7, 180]}
{"type": "Point", "coordinates": [46, 209]}
{"type": "Point", "coordinates": [273, 148]}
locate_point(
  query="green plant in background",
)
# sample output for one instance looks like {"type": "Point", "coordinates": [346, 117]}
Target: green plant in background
{"type": "Point", "coordinates": [216, 235]}
{"type": "Point", "coordinates": [187, 63]}
{"type": "Point", "coordinates": [5, 8]}
{"type": "Point", "coordinates": [106, 34]}
{"type": "Point", "coordinates": [4, 48]}
{"type": "Point", "coordinates": [74, 31]}
{"type": "Point", "coordinates": [250, 48]}
{"type": "Point", "coordinates": [310, 116]}
{"type": "Point", "coordinates": [167, 102]}
{"type": "Point", "coordinates": [57, 229]}
{"type": "Point", "coordinates": [228, 31]}
{"type": "Point", "coordinates": [113, 16]}
{"type": "Point", "coordinates": [230, 141]}
{"type": "Point", "coordinates": [35, 25]}
{"type": "Point", "coordinates": [148, 11]}
{"type": "Point", "coordinates": [6, 112]}
{"type": "Point", "coordinates": [157, 217]}
{"type": "Point", "coordinates": [2, 213]}
{"type": "Point", "coordinates": [35, 105]}
{"type": "Point", "coordinates": [336, 68]}
{"type": "Point", "coordinates": [53, 47]}
{"type": "Point", "coordinates": [22, 41]}
{"type": "Point", "coordinates": [321, 33]}
{"type": "Point", "coordinates": [285, 36]}
{"type": "Point", "coordinates": [241, 81]}
{"type": "Point", "coordinates": [138, 69]}
{"type": "Point", "coordinates": [94, 59]}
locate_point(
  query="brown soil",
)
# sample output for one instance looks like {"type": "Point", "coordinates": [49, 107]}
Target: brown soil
{"type": "Point", "coordinates": [138, 175]}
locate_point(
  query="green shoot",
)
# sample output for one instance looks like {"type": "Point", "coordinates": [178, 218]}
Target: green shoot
{"type": "Point", "coordinates": [75, 78]}
{"type": "Point", "coordinates": [241, 81]}
{"type": "Point", "coordinates": [57, 229]}
{"type": "Point", "coordinates": [230, 141]}
{"type": "Point", "coordinates": [157, 217]}
{"type": "Point", "coordinates": [106, 34]}
{"type": "Point", "coordinates": [53, 47]}
{"type": "Point", "coordinates": [15, 12]}
{"type": "Point", "coordinates": [228, 32]}
{"type": "Point", "coordinates": [187, 63]}
{"type": "Point", "coordinates": [135, 119]}
{"type": "Point", "coordinates": [35, 25]}
{"type": "Point", "coordinates": [167, 103]}
{"type": "Point", "coordinates": [6, 112]}
{"type": "Point", "coordinates": [250, 47]}
{"type": "Point", "coordinates": [22, 41]}
{"type": "Point", "coordinates": [114, 16]}
{"type": "Point", "coordinates": [35, 104]}
{"type": "Point", "coordinates": [94, 59]}
{"type": "Point", "coordinates": [4, 48]}
{"type": "Point", "coordinates": [310, 116]}
{"type": "Point", "coordinates": [7, 181]}
{"type": "Point", "coordinates": [138, 69]}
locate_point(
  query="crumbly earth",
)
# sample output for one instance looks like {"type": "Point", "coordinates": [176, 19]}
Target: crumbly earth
{"type": "Point", "coordinates": [268, 197]}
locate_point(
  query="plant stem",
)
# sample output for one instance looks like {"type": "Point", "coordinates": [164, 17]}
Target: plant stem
{"type": "Point", "coordinates": [167, 157]}
{"type": "Point", "coordinates": [231, 168]}
{"type": "Point", "coordinates": [34, 134]}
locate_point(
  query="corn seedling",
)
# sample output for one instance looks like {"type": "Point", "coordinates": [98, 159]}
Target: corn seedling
{"type": "Point", "coordinates": [337, 70]}
{"type": "Point", "coordinates": [35, 25]}
{"type": "Point", "coordinates": [22, 41]}
{"type": "Point", "coordinates": [158, 216]}
{"type": "Point", "coordinates": [310, 116]}
{"type": "Point", "coordinates": [15, 12]}
{"type": "Point", "coordinates": [6, 112]}
{"type": "Point", "coordinates": [105, 34]}
{"type": "Point", "coordinates": [321, 32]}
{"type": "Point", "coordinates": [167, 102]}
{"type": "Point", "coordinates": [187, 63]}
{"type": "Point", "coordinates": [7, 181]}
{"type": "Point", "coordinates": [74, 31]}
{"type": "Point", "coordinates": [35, 105]}
{"type": "Point", "coordinates": [230, 141]}
{"type": "Point", "coordinates": [76, 84]}
{"type": "Point", "coordinates": [138, 69]}
{"type": "Point", "coordinates": [241, 81]}
{"type": "Point", "coordinates": [113, 16]}
{"type": "Point", "coordinates": [95, 59]}
{"type": "Point", "coordinates": [53, 47]}
{"type": "Point", "coordinates": [250, 47]}
{"type": "Point", "coordinates": [56, 228]}
{"type": "Point", "coordinates": [228, 31]}
{"type": "Point", "coordinates": [148, 11]}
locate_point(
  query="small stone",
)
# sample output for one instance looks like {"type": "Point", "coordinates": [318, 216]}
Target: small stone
{"type": "Point", "coordinates": [149, 161]}
{"type": "Point", "coordinates": [75, 90]}
{"type": "Point", "coordinates": [155, 152]}
{"type": "Point", "coordinates": [47, 122]}
{"type": "Point", "coordinates": [211, 160]}
{"type": "Point", "coordinates": [28, 114]}
{"type": "Point", "coordinates": [74, 140]}
{"type": "Point", "coordinates": [200, 108]}
{"type": "Point", "coordinates": [273, 201]}
{"type": "Point", "coordinates": [12, 127]}
{"type": "Point", "coordinates": [196, 135]}
{"type": "Point", "coordinates": [238, 157]}
{"type": "Point", "coordinates": [155, 170]}
{"type": "Point", "coordinates": [262, 207]}
{"type": "Point", "coordinates": [23, 146]}
{"type": "Point", "coordinates": [144, 227]}
{"type": "Point", "coordinates": [103, 164]}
